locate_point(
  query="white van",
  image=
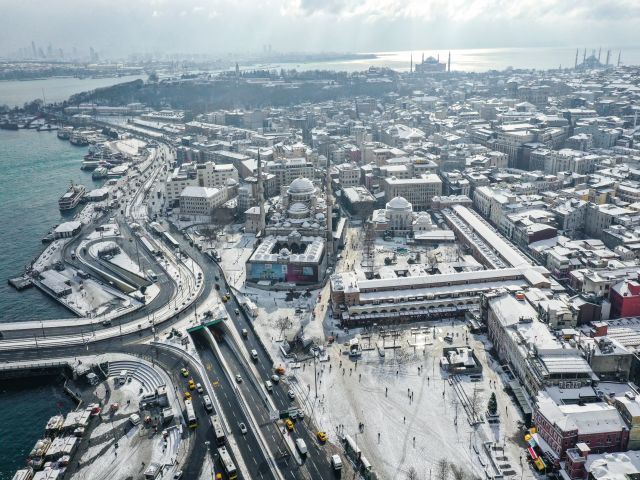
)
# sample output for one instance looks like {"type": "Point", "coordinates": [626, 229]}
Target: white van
{"type": "Point", "coordinates": [336, 462]}
{"type": "Point", "coordinates": [254, 355]}
{"type": "Point", "coordinates": [301, 446]}
{"type": "Point", "coordinates": [207, 403]}
{"type": "Point", "coordinates": [268, 385]}
{"type": "Point", "coordinates": [134, 419]}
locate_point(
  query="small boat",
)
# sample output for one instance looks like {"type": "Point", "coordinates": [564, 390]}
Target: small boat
{"type": "Point", "coordinates": [99, 173]}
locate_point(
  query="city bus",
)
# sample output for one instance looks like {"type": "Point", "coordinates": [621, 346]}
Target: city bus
{"type": "Point", "coordinates": [170, 240]}
{"type": "Point", "coordinates": [227, 463]}
{"type": "Point", "coordinates": [149, 246]}
{"type": "Point", "coordinates": [218, 431]}
{"type": "Point", "coordinates": [191, 414]}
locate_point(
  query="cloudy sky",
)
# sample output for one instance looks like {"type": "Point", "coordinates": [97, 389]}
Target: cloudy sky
{"type": "Point", "coordinates": [218, 26]}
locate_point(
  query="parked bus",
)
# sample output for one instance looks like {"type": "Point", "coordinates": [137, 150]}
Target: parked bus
{"type": "Point", "coordinates": [227, 463]}
{"type": "Point", "coordinates": [149, 246]}
{"type": "Point", "coordinates": [218, 431]}
{"type": "Point", "coordinates": [170, 240]}
{"type": "Point", "coordinates": [191, 414]}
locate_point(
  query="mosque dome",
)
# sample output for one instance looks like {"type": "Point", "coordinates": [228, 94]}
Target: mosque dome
{"type": "Point", "coordinates": [398, 203]}
{"type": "Point", "coordinates": [301, 186]}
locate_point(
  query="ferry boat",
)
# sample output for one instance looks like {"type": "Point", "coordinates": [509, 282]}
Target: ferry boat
{"type": "Point", "coordinates": [78, 139]}
{"type": "Point", "coordinates": [72, 197]}
{"type": "Point", "coordinates": [89, 164]}
{"type": "Point", "coordinates": [99, 173]}
{"type": "Point", "coordinates": [64, 133]}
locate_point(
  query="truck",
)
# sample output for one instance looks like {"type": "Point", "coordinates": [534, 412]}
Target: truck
{"type": "Point", "coordinates": [301, 446]}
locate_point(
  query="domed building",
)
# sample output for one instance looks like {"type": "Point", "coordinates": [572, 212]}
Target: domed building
{"type": "Point", "coordinates": [396, 218]}
{"type": "Point", "coordinates": [294, 246]}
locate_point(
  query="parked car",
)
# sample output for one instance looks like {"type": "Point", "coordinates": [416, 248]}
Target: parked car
{"type": "Point", "coordinates": [291, 394]}
{"type": "Point", "coordinates": [199, 388]}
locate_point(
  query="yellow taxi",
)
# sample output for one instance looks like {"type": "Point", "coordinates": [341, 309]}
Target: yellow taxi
{"type": "Point", "coordinates": [192, 384]}
{"type": "Point", "coordinates": [187, 396]}
{"type": "Point", "coordinates": [322, 436]}
{"type": "Point", "coordinates": [289, 424]}
{"type": "Point", "coordinates": [184, 372]}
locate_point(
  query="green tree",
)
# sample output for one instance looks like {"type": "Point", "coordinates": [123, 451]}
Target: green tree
{"type": "Point", "coordinates": [492, 407]}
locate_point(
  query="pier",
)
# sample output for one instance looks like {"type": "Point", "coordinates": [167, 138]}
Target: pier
{"type": "Point", "coordinates": [20, 283]}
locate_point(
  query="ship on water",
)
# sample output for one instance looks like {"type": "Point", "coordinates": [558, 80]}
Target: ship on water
{"type": "Point", "coordinates": [99, 173]}
{"type": "Point", "coordinates": [72, 197]}
{"type": "Point", "coordinates": [64, 133]}
{"type": "Point", "coordinates": [78, 139]}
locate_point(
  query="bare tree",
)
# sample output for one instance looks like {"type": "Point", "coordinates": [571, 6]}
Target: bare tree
{"type": "Point", "coordinates": [442, 469]}
{"type": "Point", "coordinates": [474, 403]}
{"type": "Point", "coordinates": [457, 472]}
{"type": "Point", "coordinates": [412, 474]}
{"type": "Point", "coordinates": [282, 323]}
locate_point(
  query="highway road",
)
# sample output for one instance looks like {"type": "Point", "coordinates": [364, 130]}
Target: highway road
{"type": "Point", "coordinates": [247, 443]}
{"type": "Point", "coordinates": [318, 462]}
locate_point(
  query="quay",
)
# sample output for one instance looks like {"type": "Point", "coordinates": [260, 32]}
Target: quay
{"type": "Point", "coordinates": [20, 283]}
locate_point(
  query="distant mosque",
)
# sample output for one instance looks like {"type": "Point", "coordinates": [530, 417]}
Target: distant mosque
{"type": "Point", "coordinates": [431, 65]}
{"type": "Point", "coordinates": [592, 62]}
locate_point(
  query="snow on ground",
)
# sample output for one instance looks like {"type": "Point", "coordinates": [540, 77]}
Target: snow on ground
{"type": "Point", "coordinates": [129, 146]}
{"type": "Point", "coordinates": [123, 260]}
{"type": "Point", "coordinates": [416, 421]}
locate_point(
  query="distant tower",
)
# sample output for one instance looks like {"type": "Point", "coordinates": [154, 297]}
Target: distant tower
{"type": "Point", "coordinates": [422, 57]}
{"type": "Point", "coordinates": [599, 52]}
{"type": "Point", "coordinates": [411, 64]}
{"type": "Point", "coordinates": [619, 55]}
{"type": "Point", "coordinates": [584, 56]}
{"type": "Point", "coordinates": [608, 57]}
{"type": "Point", "coordinates": [261, 226]}
{"type": "Point", "coordinates": [34, 53]}
{"type": "Point", "coordinates": [438, 58]}
{"type": "Point", "coordinates": [576, 64]}
{"type": "Point", "coordinates": [237, 71]}
{"type": "Point", "coordinates": [449, 62]}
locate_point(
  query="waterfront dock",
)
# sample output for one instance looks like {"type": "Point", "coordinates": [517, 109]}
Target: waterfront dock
{"type": "Point", "coordinates": [20, 283]}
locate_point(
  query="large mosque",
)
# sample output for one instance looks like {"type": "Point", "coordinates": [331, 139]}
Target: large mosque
{"type": "Point", "coordinates": [294, 242]}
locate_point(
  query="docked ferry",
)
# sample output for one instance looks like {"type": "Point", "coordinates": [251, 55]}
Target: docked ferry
{"type": "Point", "coordinates": [72, 197]}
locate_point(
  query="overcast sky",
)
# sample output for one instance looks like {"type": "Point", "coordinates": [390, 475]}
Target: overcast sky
{"type": "Point", "coordinates": [218, 26]}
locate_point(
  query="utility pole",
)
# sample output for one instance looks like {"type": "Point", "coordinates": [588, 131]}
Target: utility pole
{"type": "Point", "coordinates": [315, 375]}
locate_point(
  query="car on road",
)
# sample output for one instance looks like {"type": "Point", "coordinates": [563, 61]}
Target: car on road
{"type": "Point", "coordinates": [199, 388]}
{"type": "Point", "coordinates": [177, 475]}
{"type": "Point", "coordinates": [105, 323]}
{"type": "Point", "coordinates": [192, 384]}
{"type": "Point", "coordinates": [245, 333]}
{"type": "Point", "coordinates": [239, 378]}
{"type": "Point", "coordinates": [275, 378]}
{"type": "Point", "coordinates": [291, 394]}
{"type": "Point", "coordinates": [289, 424]}
{"type": "Point", "coordinates": [301, 446]}
{"type": "Point", "coordinates": [184, 372]}
{"type": "Point", "coordinates": [237, 311]}
{"type": "Point", "coordinates": [322, 436]}
{"type": "Point", "coordinates": [187, 396]}
{"type": "Point", "coordinates": [225, 298]}
{"type": "Point", "coordinates": [243, 428]}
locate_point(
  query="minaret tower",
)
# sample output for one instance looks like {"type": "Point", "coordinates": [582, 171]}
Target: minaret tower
{"type": "Point", "coordinates": [329, 202]}
{"type": "Point", "coordinates": [262, 225]}
{"type": "Point", "coordinates": [449, 63]}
